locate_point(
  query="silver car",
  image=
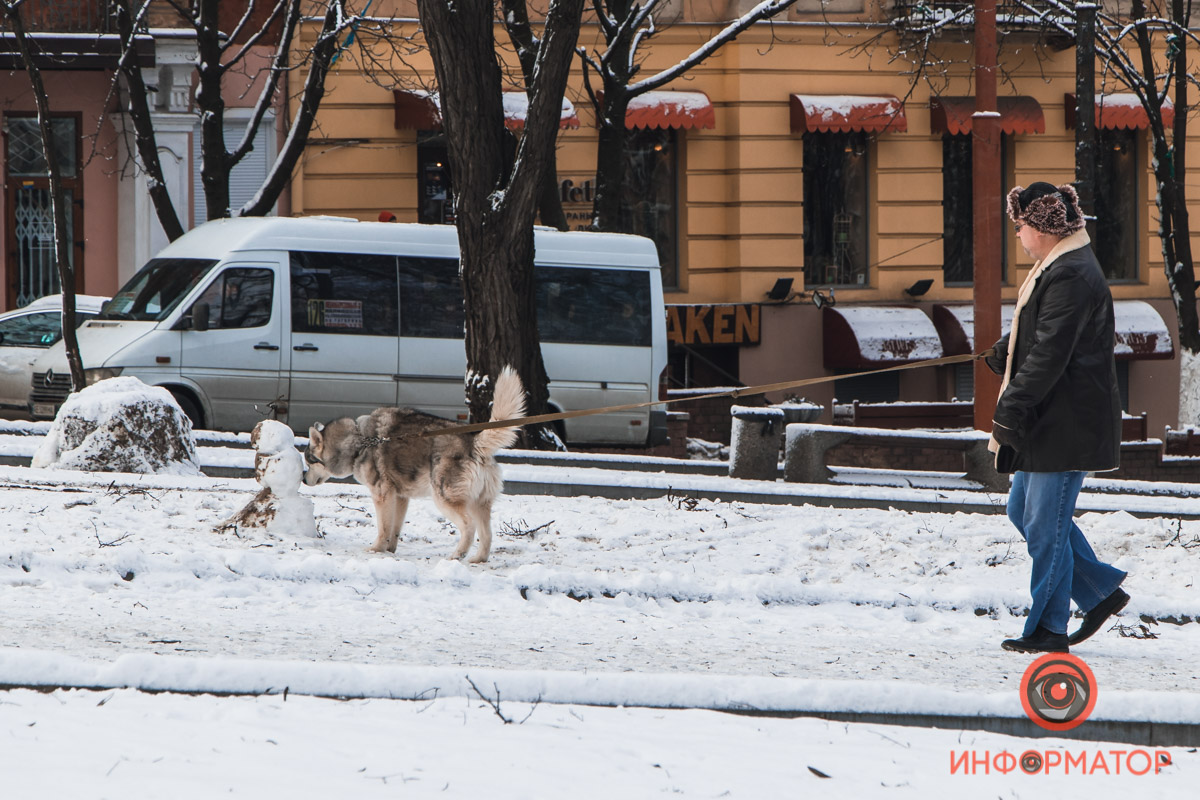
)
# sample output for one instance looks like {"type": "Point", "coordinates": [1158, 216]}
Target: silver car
{"type": "Point", "coordinates": [26, 333]}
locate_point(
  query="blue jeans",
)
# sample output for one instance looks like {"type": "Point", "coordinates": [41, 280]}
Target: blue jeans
{"type": "Point", "coordinates": [1041, 505]}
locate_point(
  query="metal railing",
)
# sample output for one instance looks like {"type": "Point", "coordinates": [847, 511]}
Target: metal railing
{"type": "Point", "coordinates": [1009, 13]}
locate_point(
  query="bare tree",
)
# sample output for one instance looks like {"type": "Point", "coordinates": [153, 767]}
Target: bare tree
{"type": "Point", "coordinates": [627, 26]}
{"type": "Point", "coordinates": [525, 42]}
{"type": "Point", "coordinates": [1146, 51]}
{"type": "Point", "coordinates": [62, 234]}
{"type": "Point", "coordinates": [496, 196]}
{"type": "Point", "coordinates": [262, 23]}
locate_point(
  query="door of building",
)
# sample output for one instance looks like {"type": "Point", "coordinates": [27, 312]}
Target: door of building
{"type": "Point", "coordinates": [30, 266]}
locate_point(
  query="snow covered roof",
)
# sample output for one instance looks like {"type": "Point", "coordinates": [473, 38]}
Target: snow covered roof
{"type": "Point", "coordinates": [865, 337]}
{"type": "Point", "coordinates": [844, 113]}
{"type": "Point", "coordinates": [422, 110]}
{"type": "Point", "coordinates": [1141, 331]}
{"type": "Point", "coordinates": [1118, 110]}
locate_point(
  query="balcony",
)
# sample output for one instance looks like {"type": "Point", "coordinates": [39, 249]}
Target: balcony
{"type": "Point", "coordinates": [73, 35]}
{"type": "Point", "coordinates": [69, 16]}
{"type": "Point", "coordinates": [1011, 15]}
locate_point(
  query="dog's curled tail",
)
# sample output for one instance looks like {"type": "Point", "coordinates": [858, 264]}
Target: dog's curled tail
{"type": "Point", "coordinates": [508, 402]}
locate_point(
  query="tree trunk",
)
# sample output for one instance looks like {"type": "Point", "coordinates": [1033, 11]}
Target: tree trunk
{"type": "Point", "coordinates": [516, 22]}
{"type": "Point", "coordinates": [214, 166]}
{"type": "Point", "coordinates": [494, 205]}
{"type": "Point", "coordinates": [314, 91]}
{"type": "Point", "coordinates": [144, 138]}
{"type": "Point", "coordinates": [63, 238]}
{"type": "Point", "coordinates": [610, 160]}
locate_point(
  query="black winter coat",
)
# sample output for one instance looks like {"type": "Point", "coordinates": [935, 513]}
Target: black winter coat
{"type": "Point", "coordinates": [1062, 401]}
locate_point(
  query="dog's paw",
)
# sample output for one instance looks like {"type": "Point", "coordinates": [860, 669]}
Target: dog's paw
{"type": "Point", "coordinates": [478, 558]}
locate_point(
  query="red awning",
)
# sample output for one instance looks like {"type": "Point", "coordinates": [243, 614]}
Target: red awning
{"type": "Point", "coordinates": [1142, 334]}
{"type": "Point", "coordinates": [669, 109]}
{"type": "Point", "coordinates": [1119, 110]}
{"type": "Point", "coordinates": [1017, 115]}
{"type": "Point", "coordinates": [422, 110]}
{"type": "Point", "coordinates": [864, 337]}
{"type": "Point", "coordinates": [843, 113]}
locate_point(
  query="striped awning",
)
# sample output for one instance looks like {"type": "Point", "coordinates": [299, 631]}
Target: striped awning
{"type": "Point", "coordinates": [1118, 110]}
{"type": "Point", "coordinates": [670, 109]}
{"type": "Point", "coordinates": [845, 113]}
{"type": "Point", "coordinates": [422, 110]}
{"type": "Point", "coordinates": [864, 337]}
{"type": "Point", "coordinates": [953, 115]}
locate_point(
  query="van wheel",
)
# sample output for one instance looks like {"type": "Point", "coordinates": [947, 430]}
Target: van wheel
{"type": "Point", "coordinates": [191, 408]}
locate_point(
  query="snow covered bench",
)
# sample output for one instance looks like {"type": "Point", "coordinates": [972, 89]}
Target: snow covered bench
{"type": "Point", "coordinates": [807, 451]}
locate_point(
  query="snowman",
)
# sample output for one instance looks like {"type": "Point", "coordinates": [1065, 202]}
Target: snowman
{"type": "Point", "coordinates": [279, 468]}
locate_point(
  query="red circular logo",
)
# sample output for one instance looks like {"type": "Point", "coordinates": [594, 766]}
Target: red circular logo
{"type": "Point", "coordinates": [1058, 691]}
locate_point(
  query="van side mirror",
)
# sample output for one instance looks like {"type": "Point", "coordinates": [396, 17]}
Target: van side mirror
{"type": "Point", "coordinates": [200, 316]}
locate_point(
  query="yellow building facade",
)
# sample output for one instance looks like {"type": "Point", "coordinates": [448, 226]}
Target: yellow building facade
{"type": "Point", "coordinates": [741, 186]}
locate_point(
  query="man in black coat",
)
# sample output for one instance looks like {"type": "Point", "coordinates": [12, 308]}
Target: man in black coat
{"type": "Point", "coordinates": [1058, 416]}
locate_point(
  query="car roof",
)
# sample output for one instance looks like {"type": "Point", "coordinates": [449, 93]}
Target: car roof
{"type": "Point", "coordinates": [217, 239]}
{"type": "Point", "coordinates": [51, 302]}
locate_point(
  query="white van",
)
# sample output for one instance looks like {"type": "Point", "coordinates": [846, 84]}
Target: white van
{"type": "Point", "coordinates": [308, 319]}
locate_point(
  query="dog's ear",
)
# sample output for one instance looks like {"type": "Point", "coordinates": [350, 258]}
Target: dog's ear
{"type": "Point", "coordinates": [314, 435]}
{"type": "Point", "coordinates": [254, 434]}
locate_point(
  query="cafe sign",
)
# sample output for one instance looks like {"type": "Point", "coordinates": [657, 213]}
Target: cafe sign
{"type": "Point", "coordinates": [727, 324]}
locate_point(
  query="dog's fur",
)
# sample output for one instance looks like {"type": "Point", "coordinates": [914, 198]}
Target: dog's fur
{"type": "Point", "coordinates": [382, 451]}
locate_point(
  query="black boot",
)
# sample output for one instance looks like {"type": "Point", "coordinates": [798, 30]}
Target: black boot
{"type": "Point", "coordinates": [1040, 641]}
{"type": "Point", "coordinates": [1092, 620]}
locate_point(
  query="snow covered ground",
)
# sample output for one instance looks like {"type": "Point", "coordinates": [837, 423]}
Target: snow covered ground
{"type": "Point", "coordinates": [587, 605]}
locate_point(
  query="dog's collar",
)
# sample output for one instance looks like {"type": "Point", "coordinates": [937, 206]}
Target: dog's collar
{"type": "Point", "coordinates": [372, 441]}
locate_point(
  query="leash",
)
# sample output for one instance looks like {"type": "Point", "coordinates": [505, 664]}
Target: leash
{"type": "Point", "coordinates": [745, 391]}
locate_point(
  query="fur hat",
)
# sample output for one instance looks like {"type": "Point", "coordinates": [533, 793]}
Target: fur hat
{"type": "Point", "coordinates": [1046, 208]}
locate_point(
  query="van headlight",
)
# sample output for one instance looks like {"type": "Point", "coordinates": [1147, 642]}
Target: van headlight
{"type": "Point", "coordinates": [91, 376]}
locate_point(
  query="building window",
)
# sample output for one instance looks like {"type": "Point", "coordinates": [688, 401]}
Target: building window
{"type": "Point", "coordinates": [651, 198]}
{"type": "Point", "coordinates": [958, 210]}
{"type": "Point", "coordinates": [1116, 227]}
{"type": "Point", "coordinates": [435, 205]}
{"type": "Point", "coordinates": [246, 177]}
{"type": "Point", "coordinates": [31, 263]}
{"type": "Point", "coordinates": [835, 209]}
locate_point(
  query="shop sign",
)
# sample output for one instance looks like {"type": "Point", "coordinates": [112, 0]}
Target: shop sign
{"type": "Point", "coordinates": [729, 324]}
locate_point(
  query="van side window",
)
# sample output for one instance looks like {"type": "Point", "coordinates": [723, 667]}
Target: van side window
{"type": "Point", "coordinates": [594, 306]}
{"type": "Point", "coordinates": [344, 293]}
{"type": "Point", "coordinates": [431, 298]}
{"type": "Point", "coordinates": [240, 298]}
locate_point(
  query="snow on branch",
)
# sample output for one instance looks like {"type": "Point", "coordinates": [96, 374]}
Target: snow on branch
{"type": "Point", "coordinates": [762, 11]}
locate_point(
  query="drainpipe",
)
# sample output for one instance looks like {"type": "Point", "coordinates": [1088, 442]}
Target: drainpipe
{"type": "Point", "coordinates": [985, 171]}
{"type": "Point", "coordinates": [1085, 108]}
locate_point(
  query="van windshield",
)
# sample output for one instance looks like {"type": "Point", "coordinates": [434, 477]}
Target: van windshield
{"type": "Point", "coordinates": [157, 288]}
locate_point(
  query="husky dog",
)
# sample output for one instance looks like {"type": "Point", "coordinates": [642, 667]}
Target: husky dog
{"type": "Point", "coordinates": [384, 453]}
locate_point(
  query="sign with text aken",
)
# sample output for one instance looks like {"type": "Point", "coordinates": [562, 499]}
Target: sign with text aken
{"type": "Point", "coordinates": [727, 324]}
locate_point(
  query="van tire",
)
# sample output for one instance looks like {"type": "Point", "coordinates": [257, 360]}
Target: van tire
{"type": "Point", "coordinates": [190, 407]}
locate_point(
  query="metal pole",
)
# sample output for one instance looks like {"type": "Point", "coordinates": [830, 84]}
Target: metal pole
{"type": "Point", "coordinates": [1085, 107]}
{"type": "Point", "coordinates": [986, 179]}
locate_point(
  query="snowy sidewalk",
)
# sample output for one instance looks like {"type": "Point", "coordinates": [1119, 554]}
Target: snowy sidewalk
{"type": "Point", "coordinates": [874, 613]}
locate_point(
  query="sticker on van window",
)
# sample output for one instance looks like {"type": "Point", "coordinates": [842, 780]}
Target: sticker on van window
{"type": "Point", "coordinates": [335, 313]}
{"type": "Point", "coordinates": [121, 303]}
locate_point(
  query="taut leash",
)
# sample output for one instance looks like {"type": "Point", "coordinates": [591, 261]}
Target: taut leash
{"type": "Point", "coordinates": [746, 391]}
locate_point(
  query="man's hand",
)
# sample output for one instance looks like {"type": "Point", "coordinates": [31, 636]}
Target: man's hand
{"type": "Point", "coordinates": [1006, 436]}
{"type": "Point", "coordinates": [995, 360]}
